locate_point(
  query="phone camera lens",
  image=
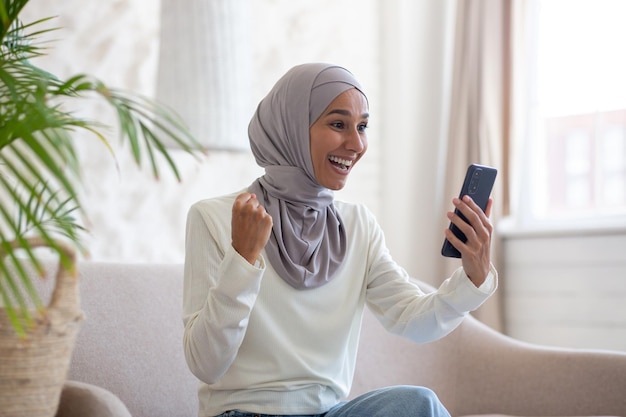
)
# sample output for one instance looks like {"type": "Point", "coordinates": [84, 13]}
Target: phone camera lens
{"type": "Point", "coordinates": [473, 186]}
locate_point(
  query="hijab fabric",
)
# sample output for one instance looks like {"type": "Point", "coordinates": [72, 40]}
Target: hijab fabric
{"type": "Point", "coordinates": [308, 239]}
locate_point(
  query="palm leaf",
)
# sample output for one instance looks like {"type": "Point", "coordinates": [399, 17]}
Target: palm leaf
{"type": "Point", "coordinates": [39, 165]}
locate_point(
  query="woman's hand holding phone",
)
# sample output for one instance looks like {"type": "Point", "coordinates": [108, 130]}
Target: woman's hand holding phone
{"type": "Point", "coordinates": [476, 250]}
{"type": "Point", "coordinates": [469, 234]}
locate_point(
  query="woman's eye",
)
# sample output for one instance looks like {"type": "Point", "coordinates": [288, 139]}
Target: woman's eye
{"type": "Point", "coordinates": [362, 127]}
{"type": "Point", "coordinates": [337, 125]}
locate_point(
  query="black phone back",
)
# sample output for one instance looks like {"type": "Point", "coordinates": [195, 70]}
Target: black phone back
{"type": "Point", "coordinates": [478, 184]}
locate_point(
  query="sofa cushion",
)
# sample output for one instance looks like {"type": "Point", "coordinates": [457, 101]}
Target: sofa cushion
{"type": "Point", "coordinates": [130, 342]}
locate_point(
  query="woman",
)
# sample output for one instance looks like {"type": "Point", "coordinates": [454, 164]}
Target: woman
{"type": "Point", "coordinates": [277, 276]}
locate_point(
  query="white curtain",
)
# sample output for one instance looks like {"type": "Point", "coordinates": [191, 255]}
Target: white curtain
{"type": "Point", "coordinates": [479, 116]}
{"type": "Point", "coordinates": [205, 68]}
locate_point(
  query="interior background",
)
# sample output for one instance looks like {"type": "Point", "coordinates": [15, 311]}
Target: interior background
{"type": "Point", "coordinates": [400, 50]}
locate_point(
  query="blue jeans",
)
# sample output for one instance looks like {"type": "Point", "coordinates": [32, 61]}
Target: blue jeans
{"type": "Point", "coordinates": [400, 401]}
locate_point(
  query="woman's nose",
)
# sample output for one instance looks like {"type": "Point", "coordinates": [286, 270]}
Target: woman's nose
{"type": "Point", "coordinates": [356, 141]}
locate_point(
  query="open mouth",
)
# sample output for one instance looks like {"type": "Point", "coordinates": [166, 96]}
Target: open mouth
{"type": "Point", "coordinates": [343, 164]}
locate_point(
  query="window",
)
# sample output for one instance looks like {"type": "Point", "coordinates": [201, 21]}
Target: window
{"type": "Point", "coordinates": [577, 148]}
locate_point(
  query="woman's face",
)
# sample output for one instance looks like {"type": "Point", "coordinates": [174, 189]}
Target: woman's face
{"type": "Point", "coordinates": [338, 138]}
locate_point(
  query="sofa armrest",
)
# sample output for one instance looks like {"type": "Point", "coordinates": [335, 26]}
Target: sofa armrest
{"type": "Point", "coordinates": [79, 399]}
{"type": "Point", "coordinates": [498, 374]}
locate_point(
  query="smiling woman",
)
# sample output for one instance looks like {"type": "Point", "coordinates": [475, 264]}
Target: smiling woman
{"type": "Point", "coordinates": [283, 271]}
{"type": "Point", "coordinates": [338, 138]}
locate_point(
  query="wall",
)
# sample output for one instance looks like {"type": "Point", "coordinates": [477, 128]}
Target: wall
{"type": "Point", "coordinates": [565, 288]}
{"type": "Point", "coordinates": [559, 289]}
{"type": "Point", "coordinates": [133, 218]}
{"type": "Point", "coordinates": [396, 48]}
{"type": "Point", "coordinates": [416, 51]}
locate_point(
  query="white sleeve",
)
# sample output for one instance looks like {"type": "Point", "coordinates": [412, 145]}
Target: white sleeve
{"type": "Point", "coordinates": [220, 289]}
{"type": "Point", "coordinates": [406, 310]}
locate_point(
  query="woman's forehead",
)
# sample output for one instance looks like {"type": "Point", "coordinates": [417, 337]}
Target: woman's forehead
{"type": "Point", "coordinates": [352, 101]}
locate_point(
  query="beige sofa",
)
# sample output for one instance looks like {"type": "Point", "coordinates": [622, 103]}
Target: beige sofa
{"type": "Point", "coordinates": [128, 359]}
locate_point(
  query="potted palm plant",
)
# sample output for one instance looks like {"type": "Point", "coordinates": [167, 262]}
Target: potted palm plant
{"type": "Point", "coordinates": [40, 203]}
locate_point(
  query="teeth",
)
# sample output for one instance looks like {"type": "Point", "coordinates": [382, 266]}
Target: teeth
{"type": "Point", "coordinates": [344, 162]}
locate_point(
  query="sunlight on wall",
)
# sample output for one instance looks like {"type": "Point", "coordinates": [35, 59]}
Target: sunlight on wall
{"type": "Point", "coordinates": [585, 46]}
{"type": "Point", "coordinates": [134, 218]}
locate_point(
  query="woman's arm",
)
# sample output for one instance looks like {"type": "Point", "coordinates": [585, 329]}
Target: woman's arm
{"type": "Point", "coordinates": [406, 310]}
{"type": "Point", "coordinates": [220, 290]}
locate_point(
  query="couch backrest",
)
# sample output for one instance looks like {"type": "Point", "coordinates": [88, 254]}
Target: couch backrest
{"type": "Point", "coordinates": [131, 340]}
{"type": "Point", "coordinates": [131, 343]}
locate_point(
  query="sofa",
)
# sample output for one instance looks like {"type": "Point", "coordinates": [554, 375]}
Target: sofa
{"type": "Point", "coordinates": [128, 359]}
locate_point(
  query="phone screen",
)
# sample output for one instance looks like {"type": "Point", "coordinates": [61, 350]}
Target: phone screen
{"type": "Point", "coordinates": [478, 184]}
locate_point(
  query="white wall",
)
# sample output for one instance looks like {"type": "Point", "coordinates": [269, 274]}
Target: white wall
{"type": "Point", "coordinates": [566, 289]}
{"type": "Point", "coordinates": [415, 64]}
{"type": "Point", "coordinates": [133, 218]}
{"type": "Point", "coordinates": [559, 290]}
{"type": "Point", "coordinates": [396, 48]}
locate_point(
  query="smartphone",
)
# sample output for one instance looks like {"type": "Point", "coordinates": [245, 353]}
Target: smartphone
{"type": "Point", "coordinates": [478, 184]}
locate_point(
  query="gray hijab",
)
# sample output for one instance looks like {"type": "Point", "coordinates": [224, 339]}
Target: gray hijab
{"type": "Point", "coordinates": [308, 239]}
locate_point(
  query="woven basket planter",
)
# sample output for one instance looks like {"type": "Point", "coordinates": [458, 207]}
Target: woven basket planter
{"type": "Point", "coordinates": [34, 368]}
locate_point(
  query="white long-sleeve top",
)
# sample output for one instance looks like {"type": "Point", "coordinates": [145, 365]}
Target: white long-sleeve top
{"type": "Point", "coordinates": [257, 344]}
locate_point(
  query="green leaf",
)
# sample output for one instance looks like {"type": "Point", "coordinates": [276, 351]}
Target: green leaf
{"type": "Point", "coordinates": [39, 164]}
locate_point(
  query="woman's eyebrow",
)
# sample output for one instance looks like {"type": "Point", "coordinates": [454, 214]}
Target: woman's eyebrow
{"type": "Point", "coordinates": [346, 113]}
